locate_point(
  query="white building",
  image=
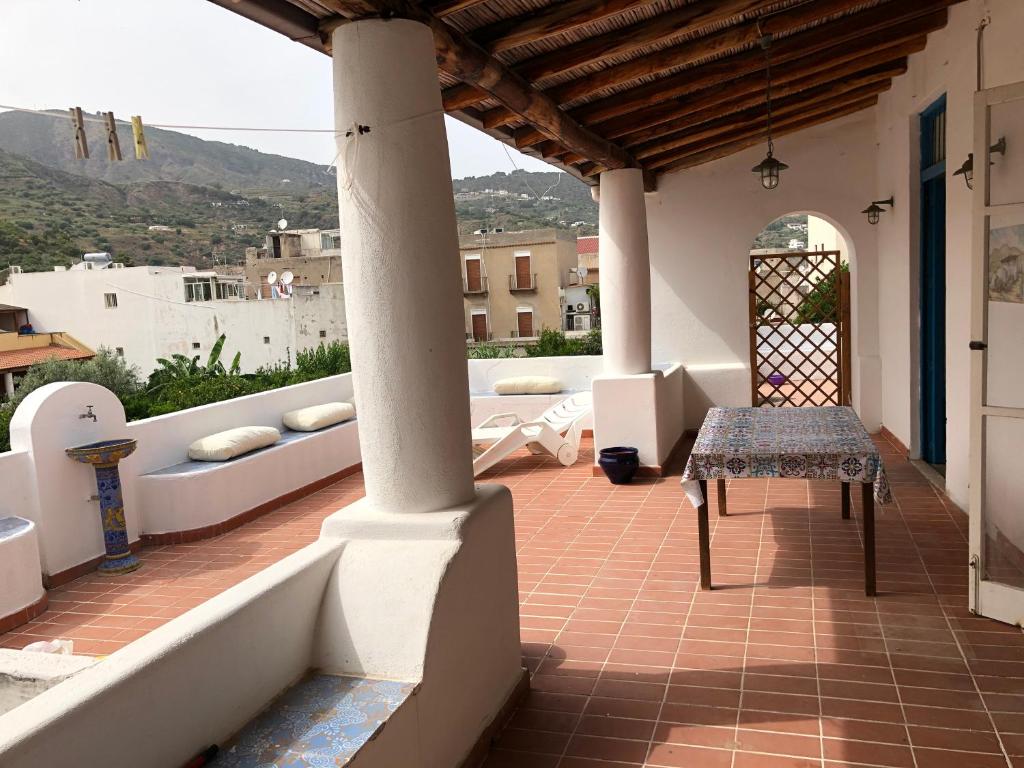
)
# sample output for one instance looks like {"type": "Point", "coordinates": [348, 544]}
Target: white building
{"type": "Point", "coordinates": [149, 312]}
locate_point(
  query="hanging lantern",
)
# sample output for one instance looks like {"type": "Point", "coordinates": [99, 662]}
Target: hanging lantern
{"type": "Point", "coordinates": [769, 168]}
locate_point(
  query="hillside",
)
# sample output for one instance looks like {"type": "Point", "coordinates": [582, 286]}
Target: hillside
{"type": "Point", "coordinates": [209, 199]}
{"type": "Point", "coordinates": [49, 217]}
{"type": "Point", "coordinates": [173, 157]}
{"type": "Point", "coordinates": [524, 200]}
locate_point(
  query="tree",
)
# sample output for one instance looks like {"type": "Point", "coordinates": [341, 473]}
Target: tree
{"type": "Point", "coordinates": [822, 303]}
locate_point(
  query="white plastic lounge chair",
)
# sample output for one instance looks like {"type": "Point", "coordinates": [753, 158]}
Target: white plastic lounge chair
{"type": "Point", "coordinates": [557, 432]}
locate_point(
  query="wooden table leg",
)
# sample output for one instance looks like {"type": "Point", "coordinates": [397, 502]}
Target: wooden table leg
{"type": "Point", "coordinates": [845, 490]}
{"type": "Point", "coordinates": [867, 495]}
{"type": "Point", "coordinates": [722, 511]}
{"type": "Point", "coordinates": [704, 538]}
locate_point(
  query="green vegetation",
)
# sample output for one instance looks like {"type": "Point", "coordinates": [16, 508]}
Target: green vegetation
{"type": "Point", "coordinates": [819, 306]}
{"type": "Point", "coordinates": [555, 344]}
{"type": "Point", "coordinates": [481, 204]}
{"type": "Point", "coordinates": [778, 233]}
{"type": "Point", "coordinates": [181, 382]}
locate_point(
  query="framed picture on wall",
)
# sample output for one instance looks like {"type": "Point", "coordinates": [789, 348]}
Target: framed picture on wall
{"type": "Point", "coordinates": [1006, 264]}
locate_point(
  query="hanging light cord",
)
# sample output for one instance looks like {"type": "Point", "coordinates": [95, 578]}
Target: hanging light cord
{"type": "Point", "coordinates": [765, 41]}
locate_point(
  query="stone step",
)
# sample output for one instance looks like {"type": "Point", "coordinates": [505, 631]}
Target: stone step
{"type": "Point", "coordinates": [322, 720]}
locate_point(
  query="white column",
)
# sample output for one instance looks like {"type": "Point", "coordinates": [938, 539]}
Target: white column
{"type": "Point", "coordinates": [625, 274]}
{"type": "Point", "coordinates": [8, 383]}
{"type": "Point", "coordinates": [400, 249]}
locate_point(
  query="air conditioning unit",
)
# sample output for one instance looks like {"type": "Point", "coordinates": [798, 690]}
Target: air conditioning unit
{"type": "Point", "coordinates": [117, 265]}
{"type": "Point", "coordinates": [15, 270]}
{"type": "Point", "coordinates": [87, 265]}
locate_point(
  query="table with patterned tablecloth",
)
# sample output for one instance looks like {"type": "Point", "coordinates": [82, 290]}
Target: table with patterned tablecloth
{"type": "Point", "coordinates": [826, 443]}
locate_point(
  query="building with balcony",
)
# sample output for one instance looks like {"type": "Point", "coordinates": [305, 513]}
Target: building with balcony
{"type": "Point", "coordinates": [312, 256]}
{"type": "Point", "coordinates": [144, 313]}
{"type": "Point", "coordinates": [374, 605]}
{"type": "Point", "coordinates": [513, 283]}
{"type": "Point", "coordinates": [21, 347]}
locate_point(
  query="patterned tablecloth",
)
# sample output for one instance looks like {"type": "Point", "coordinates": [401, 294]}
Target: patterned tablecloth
{"type": "Point", "coordinates": [827, 443]}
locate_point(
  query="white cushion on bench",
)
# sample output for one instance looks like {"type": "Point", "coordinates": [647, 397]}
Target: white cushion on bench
{"type": "Point", "coordinates": [318, 416]}
{"type": "Point", "coordinates": [528, 385]}
{"type": "Point", "coordinates": [232, 442]}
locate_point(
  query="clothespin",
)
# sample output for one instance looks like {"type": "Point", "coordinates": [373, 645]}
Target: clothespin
{"type": "Point", "coordinates": [113, 145]}
{"type": "Point", "coordinates": [141, 150]}
{"type": "Point", "coordinates": [78, 124]}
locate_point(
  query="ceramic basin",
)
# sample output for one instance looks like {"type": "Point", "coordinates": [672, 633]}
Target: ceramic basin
{"type": "Point", "coordinates": [103, 452]}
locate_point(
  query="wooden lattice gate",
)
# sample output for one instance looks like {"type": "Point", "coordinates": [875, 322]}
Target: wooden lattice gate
{"type": "Point", "coordinates": [799, 329]}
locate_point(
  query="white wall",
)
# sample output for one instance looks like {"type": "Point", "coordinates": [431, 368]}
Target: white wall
{"type": "Point", "coordinates": [821, 235]}
{"type": "Point", "coordinates": [701, 224]}
{"type": "Point", "coordinates": [947, 66]}
{"type": "Point", "coordinates": [153, 320]}
{"type": "Point", "coordinates": [575, 372]}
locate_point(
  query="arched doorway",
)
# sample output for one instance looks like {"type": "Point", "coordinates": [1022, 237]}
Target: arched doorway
{"type": "Point", "coordinates": [799, 314]}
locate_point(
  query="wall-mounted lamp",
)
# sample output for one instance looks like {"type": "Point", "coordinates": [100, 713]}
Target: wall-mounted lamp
{"type": "Point", "coordinates": [967, 169]}
{"type": "Point", "coordinates": [875, 210]}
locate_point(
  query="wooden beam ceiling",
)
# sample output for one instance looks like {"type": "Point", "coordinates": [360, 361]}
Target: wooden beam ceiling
{"type": "Point", "coordinates": [466, 60]}
{"type": "Point", "coordinates": [868, 31]}
{"type": "Point", "coordinates": [668, 88]}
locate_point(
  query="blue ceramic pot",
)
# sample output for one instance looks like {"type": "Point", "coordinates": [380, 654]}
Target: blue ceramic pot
{"type": "Point", "coordinates": [619, 464]}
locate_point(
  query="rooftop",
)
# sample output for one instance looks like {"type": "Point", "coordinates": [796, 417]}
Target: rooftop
{"type": "Point", "coordinates": [787, 664]}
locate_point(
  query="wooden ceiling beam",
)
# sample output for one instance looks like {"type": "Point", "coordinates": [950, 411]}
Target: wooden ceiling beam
{"type": "Point", "coordinates": [665, 26]}
{"type": "Point", "coordinates": [788, 78]}
{"type": "Point", "coordinates": [690, 52]}
{"type": "Point", "coordinates": [816, 49]}
{"type": "Point", "coordinates": [464, 59]}
{"type": "Point", "coordinates": [825, 96]}
{"type": "Point", "coordinates": [462, 95]}
{"type": "Point", "coordinates": [553, 20]}
{"type": "Point", "coordinates": [744, 92]}
{"type": "Point", "coordinates": [442, 8]}
{"type": "Point", "coordinates": [756, 128]}
{"type": "Point", "coordinates": [739, 144]}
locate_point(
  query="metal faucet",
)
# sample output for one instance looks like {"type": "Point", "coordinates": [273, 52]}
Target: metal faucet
{"type": "Point", "coordinates": [88, 414]}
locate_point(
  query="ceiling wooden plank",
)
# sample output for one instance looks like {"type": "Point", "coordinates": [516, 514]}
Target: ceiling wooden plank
{"type": "Point", "coordinates": [828, 95]}
{"type": "Point", "coordinates": [739, 144]}
{"type": "Point", "coordinates": [690, 52]}
{"type": "Point", "coordinates": [806, 52]}
{"type": "Point", "coordinates": [757, 127]}
{"type": "Point", "coordinates": [464, 59]}
{"type": "Point", "coordinates": [742, 93]}
{"type": "Point", "coordinates": [553, 20]}
{"type": "Point", "coordinates": [662, 27]}
{"type": "Point", "coordinates": [444, 8]}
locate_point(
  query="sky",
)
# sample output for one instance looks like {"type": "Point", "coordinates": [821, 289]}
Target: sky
{"type": "Point", "coordinates": [190, 62]}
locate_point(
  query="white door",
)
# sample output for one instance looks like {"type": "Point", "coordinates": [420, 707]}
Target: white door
{"type": "Point", "coordinates": [997, 358]}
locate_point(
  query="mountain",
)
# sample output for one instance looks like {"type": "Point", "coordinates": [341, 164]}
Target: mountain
{"type": "Point", "coordinates": [49, 217]}
{"type": "Point", "coordinates": [209, 200]}
{"type": "Point", "coordinates": [48, 139]}
{"type": "Point", "coordinates": [524, 200]}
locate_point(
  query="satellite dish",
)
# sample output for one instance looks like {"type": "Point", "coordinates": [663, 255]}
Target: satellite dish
{"type": "Point", "coordinates": [282, 224]}
{"type": "Point", "coordinates": [287, 277]}
{"type": "Point", "coordinates": [271, 278]}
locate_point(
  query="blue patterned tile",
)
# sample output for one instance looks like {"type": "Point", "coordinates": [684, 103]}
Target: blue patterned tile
{"type": "Point", "coordinates": [319, 723]}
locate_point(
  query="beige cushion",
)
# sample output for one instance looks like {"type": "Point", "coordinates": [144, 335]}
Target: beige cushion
{"type": "Point", "coordinates": [231, 443]}
{"type": "Point", "coordinates": [528, 385]}
{"type": "Point", "coordinates": [318, 416]}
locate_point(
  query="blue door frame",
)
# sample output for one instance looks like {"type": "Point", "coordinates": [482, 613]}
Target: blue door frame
{"type": "Point", "coordinates": [933, 283]}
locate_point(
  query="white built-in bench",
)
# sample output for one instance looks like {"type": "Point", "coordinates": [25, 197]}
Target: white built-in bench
{"type": "Point", "coordinates": [197, 499]}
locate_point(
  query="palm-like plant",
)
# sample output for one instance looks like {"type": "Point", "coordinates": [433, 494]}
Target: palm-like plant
{"type": "Point", "coordinates": [183, 368]}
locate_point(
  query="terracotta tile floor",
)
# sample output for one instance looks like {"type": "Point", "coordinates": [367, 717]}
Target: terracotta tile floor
{"type": "Point", "coordinates": [785, 665]}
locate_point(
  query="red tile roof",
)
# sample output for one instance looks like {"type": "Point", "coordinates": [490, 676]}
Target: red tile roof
{"type": "Point", "coordinates": [586, 244]}
{"type": "Point", "coordinates": [16, 359]}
